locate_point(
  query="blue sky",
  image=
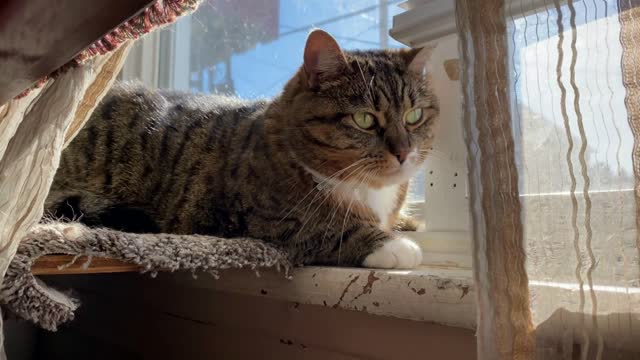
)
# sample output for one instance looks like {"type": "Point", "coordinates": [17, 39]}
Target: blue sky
{"type": "Point", "coordinates": [263, 71]}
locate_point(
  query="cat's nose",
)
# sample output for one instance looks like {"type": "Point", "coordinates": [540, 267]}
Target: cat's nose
{"type": "Point", "coordinates": [401, 155]}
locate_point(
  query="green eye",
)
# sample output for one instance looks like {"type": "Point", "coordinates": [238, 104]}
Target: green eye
{"type": "Point", "coordinates": [364, 120]}
{"type": "Point", "coordinates": [413, 116]}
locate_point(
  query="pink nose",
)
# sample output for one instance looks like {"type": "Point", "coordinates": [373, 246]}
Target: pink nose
{"type": "Point", "coordinates": [401, 155]}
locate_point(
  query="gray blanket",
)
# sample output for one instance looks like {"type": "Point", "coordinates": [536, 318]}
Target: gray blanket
{"type": "Point", "coordinates": [30, 298]}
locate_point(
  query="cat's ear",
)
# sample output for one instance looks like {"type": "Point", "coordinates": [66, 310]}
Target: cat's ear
{"type": "Point", "coordinates": [322, 57]}
{"type": "Point", "coordinates": [416, 59]}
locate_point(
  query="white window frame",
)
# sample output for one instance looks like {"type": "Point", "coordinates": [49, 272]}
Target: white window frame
{"type": "Point", "coordinates": [161, 59]}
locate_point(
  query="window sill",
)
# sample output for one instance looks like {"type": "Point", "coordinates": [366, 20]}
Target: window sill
{"type": "Point", "coordinates": [436, 293]}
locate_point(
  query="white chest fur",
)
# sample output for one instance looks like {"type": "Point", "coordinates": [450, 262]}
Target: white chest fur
{"type": "Point", "coordinates": [381, 201]}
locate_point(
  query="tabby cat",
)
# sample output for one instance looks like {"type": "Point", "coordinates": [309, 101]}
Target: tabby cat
{"type": "Point", "coordinates": [322, 170]}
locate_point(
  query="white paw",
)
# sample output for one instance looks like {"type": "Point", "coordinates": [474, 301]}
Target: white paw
{"type": "Point", "coordinates": [399, 253]}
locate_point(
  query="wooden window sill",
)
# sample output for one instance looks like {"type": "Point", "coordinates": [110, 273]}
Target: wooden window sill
{"type": "Point", "coordinates": [435, 294]}
{"type": "Point", "coordinates": [438, 293]}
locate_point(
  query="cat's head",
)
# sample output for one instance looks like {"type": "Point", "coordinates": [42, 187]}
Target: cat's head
{"type": "Point", "coordinates": [360, 116]}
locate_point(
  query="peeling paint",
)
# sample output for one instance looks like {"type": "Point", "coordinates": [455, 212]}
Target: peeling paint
{"type": "Point", "coordinates": [420, 291]}
{"type": "Point", "coordinates": [465, 291]}
{"type": "Point", "coordinates": [344, 292]}
{"type": "Point", "coordinates": [443, 284]}
{"type": "Point", "coordinates": [366, 289]}
{"type": "Point", "coordinates": [417, 295]}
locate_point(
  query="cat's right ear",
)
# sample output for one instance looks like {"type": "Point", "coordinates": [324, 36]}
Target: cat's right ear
{"type": "Point", "coordinates": [322, 58]}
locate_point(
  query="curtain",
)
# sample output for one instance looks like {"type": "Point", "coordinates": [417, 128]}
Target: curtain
{"type": "Point", "coordinates": [33, 132]}
{"type": "Point", "coordinates": [552, 127]}
{"type": "Point", "coordinates": [37, 125]}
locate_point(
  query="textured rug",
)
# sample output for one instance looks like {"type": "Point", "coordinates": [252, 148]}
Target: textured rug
{"type": "Point", "coordinates": [28, 297]}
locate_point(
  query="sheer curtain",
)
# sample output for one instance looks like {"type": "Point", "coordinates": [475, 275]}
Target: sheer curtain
{"type": "Point", "coordinates": [552, 122]}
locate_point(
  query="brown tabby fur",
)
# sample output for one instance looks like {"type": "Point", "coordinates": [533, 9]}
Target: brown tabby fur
{"type": "Point", "coordinates": [159, 161]}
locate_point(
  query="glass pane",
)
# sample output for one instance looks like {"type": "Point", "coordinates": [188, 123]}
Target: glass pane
{"type": "Point", "coordinates": [251, 48]}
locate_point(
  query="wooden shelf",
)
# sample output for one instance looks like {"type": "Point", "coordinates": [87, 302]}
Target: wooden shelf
{"type": "Point", "coordinates": [50, 265]}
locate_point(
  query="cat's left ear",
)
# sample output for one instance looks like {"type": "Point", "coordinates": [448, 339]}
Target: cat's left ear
{"type": "Point", "coordinates": [416, 59]}
{"type": "Point", "coordinates": [322, 57]}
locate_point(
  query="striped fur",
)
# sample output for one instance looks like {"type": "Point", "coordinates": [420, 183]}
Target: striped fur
{"type": "Point", "coordinates": [159, 161]}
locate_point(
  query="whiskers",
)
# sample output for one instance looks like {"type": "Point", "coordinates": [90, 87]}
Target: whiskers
{"type": "Point", "coordinates": [346, 216]}
{"type": "Point", "coordinates": [434, 153]}
{"type": "Point", "coordinates": [321, 185]}
{"type": "Point", "coordinates": [328, 189]}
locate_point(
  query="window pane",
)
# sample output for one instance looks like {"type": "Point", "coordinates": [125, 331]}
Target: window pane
{"type": "Point", "coordinates": [251, 48]}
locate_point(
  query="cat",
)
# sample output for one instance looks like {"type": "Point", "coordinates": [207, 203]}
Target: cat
{"type": "Point", "coordinates": [322, 170]}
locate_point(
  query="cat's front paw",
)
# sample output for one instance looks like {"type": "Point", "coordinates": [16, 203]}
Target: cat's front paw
{"type": "Point", "coordinates": [399, 253]}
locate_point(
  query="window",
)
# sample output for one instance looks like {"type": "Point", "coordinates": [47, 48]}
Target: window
{"type": "Point", "coordinates": [251, 48]}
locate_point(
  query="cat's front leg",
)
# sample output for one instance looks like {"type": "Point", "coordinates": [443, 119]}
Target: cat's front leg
{"type": "Point", "coordinates": [369, 246]}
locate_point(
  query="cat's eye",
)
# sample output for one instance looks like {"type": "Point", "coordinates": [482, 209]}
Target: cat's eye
{"type": "Point", "coordinates": [364, 120]}
{"type": "Point", "coordinates": [413, 117]}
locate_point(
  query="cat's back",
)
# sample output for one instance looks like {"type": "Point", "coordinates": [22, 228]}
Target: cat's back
{"type": "Point", "coordinates": [138, 140]}
{"type": "Point", "coordinates": [135, 107]}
